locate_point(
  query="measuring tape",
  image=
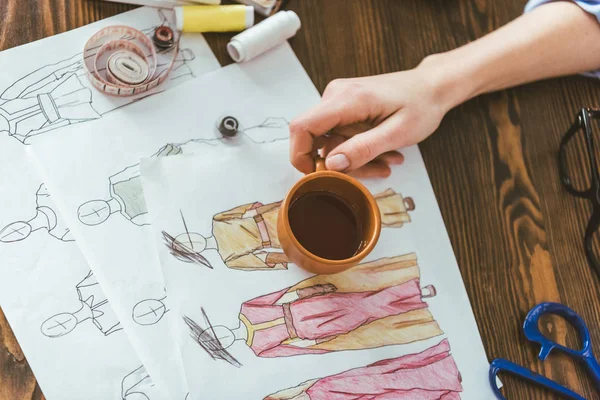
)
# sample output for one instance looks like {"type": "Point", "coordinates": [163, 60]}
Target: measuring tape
{"type": "Point", "coordinates": [127, 61]}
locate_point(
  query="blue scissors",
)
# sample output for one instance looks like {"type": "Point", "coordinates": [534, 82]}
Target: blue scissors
{"type": "Point", "coordinates": [533, 334]}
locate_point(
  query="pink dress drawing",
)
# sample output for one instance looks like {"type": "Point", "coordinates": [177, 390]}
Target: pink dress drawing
{"type": "Point", "coordinates": [280, 330]}
{"type": "Point", "coordinates": [429, 375]}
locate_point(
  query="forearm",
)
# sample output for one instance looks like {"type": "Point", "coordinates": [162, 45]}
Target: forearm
{"type": "Point", "coordinates": [554, 39]}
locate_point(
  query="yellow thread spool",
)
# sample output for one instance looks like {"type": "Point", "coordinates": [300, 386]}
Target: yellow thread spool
{"type": "Point", "coordinates": [230, 18]}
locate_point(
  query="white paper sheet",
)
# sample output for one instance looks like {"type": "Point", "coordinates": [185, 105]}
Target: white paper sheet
{"type": "Point", "coordinates": [94, 175]}
{"type": "Point", "coordinates": [42, 272]}
{"type": "Point", "coordinates": [410, 301]}
{"type": "Point", "coordinates": [71, 337]}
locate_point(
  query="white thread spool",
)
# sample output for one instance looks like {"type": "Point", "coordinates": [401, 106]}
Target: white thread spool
{"type": "Point", "coordinates": [264, 36]}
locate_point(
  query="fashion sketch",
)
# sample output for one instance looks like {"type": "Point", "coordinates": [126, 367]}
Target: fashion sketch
{"type": "Point", "coordinates": [429, 375]}
{"type": "Point", "coordinates": [246, 236]}
{"type": "Point", "coordinates": [135, 385]}
{"type": "Point", "coordinates": [45, 219]}
{"type": "Point", "coordinates": [149, 311]}
{"type": "Point", "coordinates": [60, 94]}
{"type": "Point", "coordinates": [375, 304]}
{"type": "Point", "coordinates": [94, 307]}
{"type": "Point", "coordinates": [125, 194]}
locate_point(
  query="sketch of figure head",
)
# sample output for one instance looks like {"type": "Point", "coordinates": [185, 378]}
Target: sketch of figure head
{"type": "Point", "coordinates": [149, 312]}
{"type": "Point", "coordinates": [94, 212]}
{"type": "Point", "coordinates": [188, 247]}
{"type": "Point", "coordinates": [59, 325]}
{"type": "Point", "coordinates": [135, 385]}
{"type": "Point", "coordinates": [215, 340]}
{"type": "Point", "coordinates": [45, 218]}
{"type": "Point", "coordinates": [15, 232]}
{"type": "Point", "coordinates": [92, 306]}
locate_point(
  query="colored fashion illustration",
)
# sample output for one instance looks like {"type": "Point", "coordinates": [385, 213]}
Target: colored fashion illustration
{"type": "Point", "coordinates": [149, 311]}
{"type": "Point", "coordinates": [429, 375]}
{"type": "Point", "coordinates": [135, 385]}
{"type": "Point", "coordinates": [45, 219]}
{"type": "Point", "coordinates": [94, 307]}
{"type": "Point", "coordinates": [375, 304]}
{"type": "Point", "coordinates": [125, 193]}
{"type": "Point", "coordinates": [246, 237]}
{"type": "Point", "coordinates": [60, 94]}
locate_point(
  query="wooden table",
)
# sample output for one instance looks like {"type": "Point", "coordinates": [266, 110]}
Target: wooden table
{"type": "Point", "coordinates": [516, 233]}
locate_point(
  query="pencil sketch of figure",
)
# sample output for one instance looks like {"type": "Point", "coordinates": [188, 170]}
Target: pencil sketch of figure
{"type": "Point", "coordinates": [94, 307]}
{"type": "Point", "coordinates": [45, 219]}
{"type": "Point", "coordinates": [375, 304]}
{"type": "Point", "coordinates": [429, 375]}
{"type": "Point", "coordinates": [149, 311]}
{"type": "Point", "coordinates": [126, 196]}
{"type": "Point", "coordinates": [60, 94]}
{"type": "Point", "coordinates": [246, 236]}
{"type": "Point", "coordinates": [136, 385]}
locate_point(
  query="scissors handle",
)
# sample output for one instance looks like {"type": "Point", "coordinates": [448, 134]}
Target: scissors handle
{"type": "Point", "coordinates": [585, 355]}
{"type": "Point", "coordinates": [500, 364]}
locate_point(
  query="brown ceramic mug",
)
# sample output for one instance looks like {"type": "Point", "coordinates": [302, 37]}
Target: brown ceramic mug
{"type": "Point", "coordinates": [354, 194]}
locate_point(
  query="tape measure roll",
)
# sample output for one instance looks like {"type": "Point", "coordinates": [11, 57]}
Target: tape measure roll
{"type": "Point", "coordinates": [127, 62]}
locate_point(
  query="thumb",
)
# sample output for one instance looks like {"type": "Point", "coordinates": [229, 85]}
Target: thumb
{"type": "Point", "coordinates": [364, 147]}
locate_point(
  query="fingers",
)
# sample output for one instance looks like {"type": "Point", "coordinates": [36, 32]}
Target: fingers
{"type": "Point", "coordinates": [380, 167]}
{"type": "Point", "coordinates": [331, 143]}
{"type": "Point", "coordinates": [374, 169]}
{"type": "Point", "coordinates": [365, 147]}
{"type": "Point", "coordinates": [330, 113]}
{"type": "Point", "coordinates": [391, 158]}
{"type": "Point", "coordinates": [377, 168]}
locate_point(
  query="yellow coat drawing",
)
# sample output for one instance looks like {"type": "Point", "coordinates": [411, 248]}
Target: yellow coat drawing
{"type": "Point", "coordinates": [246, 235]}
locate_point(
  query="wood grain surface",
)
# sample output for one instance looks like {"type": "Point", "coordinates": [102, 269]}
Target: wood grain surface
{"type": "Point", "coordinates": [493, 164]}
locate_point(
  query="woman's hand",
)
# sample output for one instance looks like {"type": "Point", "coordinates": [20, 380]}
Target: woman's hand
{"type": "Point", "coordinates": [369, 118]}
{"type": "Point", "coordinates": [361, 122]}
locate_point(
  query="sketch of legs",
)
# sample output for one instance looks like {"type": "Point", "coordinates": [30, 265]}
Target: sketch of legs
{"type": "Point", "coordinates": [45, 219]}
{"type": "Point", "coordinates": [150, 311]}
{"type": "Point", "coordinates": [373, 305]}
{"type": "Point", "coordinates": [94, 307]}
{"type": "Point", "coordinates": [59, 94]}
{"type": "Point", "coordinates": [135, 385]}
{"type": "Point", "coordinates": [431, 374]}
{"type": "Point", "coordinates": [246, 236]}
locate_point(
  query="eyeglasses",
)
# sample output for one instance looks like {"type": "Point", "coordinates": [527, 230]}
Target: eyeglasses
{"type": "Point", "coordinates": [585, 183]}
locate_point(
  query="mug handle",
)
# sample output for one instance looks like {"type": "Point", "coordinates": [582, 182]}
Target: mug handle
{"type": "Point", "coordinates": [320, 164]}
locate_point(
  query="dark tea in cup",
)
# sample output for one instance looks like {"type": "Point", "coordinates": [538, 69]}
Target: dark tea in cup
{"type": "Point", "coordinates": [326, 225]}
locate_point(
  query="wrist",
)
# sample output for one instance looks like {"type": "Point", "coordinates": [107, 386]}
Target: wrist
{"type": "Point", "coordinates": [452, 82]}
